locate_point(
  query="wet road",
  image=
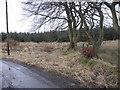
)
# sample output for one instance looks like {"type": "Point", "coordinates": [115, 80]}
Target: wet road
{"type": "Point", "coordinates": [18, 76]}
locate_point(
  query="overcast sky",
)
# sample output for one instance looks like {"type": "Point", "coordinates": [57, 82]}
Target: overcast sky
{"type": "Point", "coordinates": [17, 21]}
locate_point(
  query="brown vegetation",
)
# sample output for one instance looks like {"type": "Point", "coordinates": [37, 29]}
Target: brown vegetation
{"type": "Point", "coordinates": [89, 52]}
{"type": "Point", "coordinates": [90, 72]}
{"type": "Point", "coordinates": [13, 44]}
{"type": "Point", "coordinates": [48, 48]}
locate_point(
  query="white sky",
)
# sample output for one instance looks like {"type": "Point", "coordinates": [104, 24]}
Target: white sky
{"type": "Point", "coordinates": [17, 22]}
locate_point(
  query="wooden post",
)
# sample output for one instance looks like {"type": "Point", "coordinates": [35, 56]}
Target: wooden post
{"type": "Point", "coordinates": [87, 45]}
{"type": "Point", "coordinates": [83, 46]}
{"type": "Point", "coordinates": [8, 49]}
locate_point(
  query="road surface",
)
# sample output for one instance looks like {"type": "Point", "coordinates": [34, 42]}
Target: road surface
{"type": "Point", "coordinates": [18, 76]}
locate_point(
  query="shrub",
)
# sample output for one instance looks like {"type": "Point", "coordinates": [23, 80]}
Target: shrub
{"type": "Point", "coordinates": [89, 52]}
{"type": "Point", "coordinates": [12, 43]}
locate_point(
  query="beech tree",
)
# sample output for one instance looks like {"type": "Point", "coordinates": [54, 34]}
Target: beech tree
{"type": "Point", "coordinates": [72, 16]}
{"type": "Point", "coordinates": [114, 12]}
{"type": "Point", "coordinates": [87, 15]}
{"type": "Point", "coordinates": [56, 12]}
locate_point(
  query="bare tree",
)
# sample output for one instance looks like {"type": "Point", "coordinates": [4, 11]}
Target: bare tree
{"type": "Point", "coordinates": [112, 7]}
{"type": "Point", "coordinates": [54, 12]}
{"type": "Point", "coordinates": [72, 16]}
{"type": "Point", "coordinates": [74, 24]}
{"type": "Point", "coordinates": [87, 11]}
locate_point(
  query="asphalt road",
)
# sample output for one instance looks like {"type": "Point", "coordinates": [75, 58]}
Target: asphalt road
{"type": "Point", "coordinates": [20, 75]}
{"type": "Point", "coordinates": [17, 76]}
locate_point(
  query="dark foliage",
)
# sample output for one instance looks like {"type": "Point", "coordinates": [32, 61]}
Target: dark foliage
{"type": "Point", "coordinates": [59, 36]}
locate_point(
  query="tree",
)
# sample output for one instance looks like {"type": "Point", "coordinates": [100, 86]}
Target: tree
{"type": "Point", "coordinates": [112, 6]}
{"type": "Point", "coordinates": [73, 24]}
{"type": "Point", "coordinates": [52, 12]}
{"type": "Point", "coordinates": [87, 17]}
{"type": "Point", "coordinates": [100, 39]}
{"type": "Point", "coordinates": [73, 16]}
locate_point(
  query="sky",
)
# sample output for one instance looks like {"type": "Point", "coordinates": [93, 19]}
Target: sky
{"type": "Point", "coordinates": [17, 22]}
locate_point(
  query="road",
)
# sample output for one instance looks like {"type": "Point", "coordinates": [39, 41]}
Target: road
{"type": "Point", "coordinates": [17, 76]}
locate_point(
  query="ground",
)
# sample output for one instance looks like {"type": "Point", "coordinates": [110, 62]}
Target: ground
{"type": "Point", "coordinates": [96, 72]}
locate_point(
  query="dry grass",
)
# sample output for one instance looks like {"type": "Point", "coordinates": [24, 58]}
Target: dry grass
{"type": "Point", "coordinates": [13, 44]}
{"type": "Point", "coordinates": [109, 52]}
{"type": "Point", "coordinates": [54, 57]}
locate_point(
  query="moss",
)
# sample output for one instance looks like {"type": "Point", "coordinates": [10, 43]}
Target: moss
{"type": "Point", "coordinates": [67, 52]}
{"type": "Point", "coordinates": [91, 63]}
{"type": "Point", "coordinates": [84, 60]}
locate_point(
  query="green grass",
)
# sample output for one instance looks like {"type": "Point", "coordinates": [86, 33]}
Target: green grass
{"type": "Point", "coordinates": [83, 60]}
{"type": "Point", "coordinates": [91, 63]}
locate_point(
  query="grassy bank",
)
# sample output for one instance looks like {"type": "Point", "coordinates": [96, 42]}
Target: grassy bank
{"type": "Point", "coordinates": [54, 57]}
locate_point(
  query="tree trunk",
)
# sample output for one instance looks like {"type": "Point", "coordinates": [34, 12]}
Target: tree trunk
{"type": "Point", "coordinates": [115, 20]}
{"type": "Point", "coordinates": [72, 38]}
{"type": "Point", "coordinates": [116, 25]}
{"type": "Point", "coordinates": [72, 28]}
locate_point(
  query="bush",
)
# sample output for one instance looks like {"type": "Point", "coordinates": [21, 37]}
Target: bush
{"type": "Point", "coordinates": [12, 43]}
{"type": "Point", "coordinates": [89, 52]}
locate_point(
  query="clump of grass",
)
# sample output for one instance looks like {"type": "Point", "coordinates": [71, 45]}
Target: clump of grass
{"type": "Point", "coordinates": [91, 63]}
{"type": "Point", "coordinates": [67, 52]}
{"type": "Point", "coordinates": [84, 60]}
